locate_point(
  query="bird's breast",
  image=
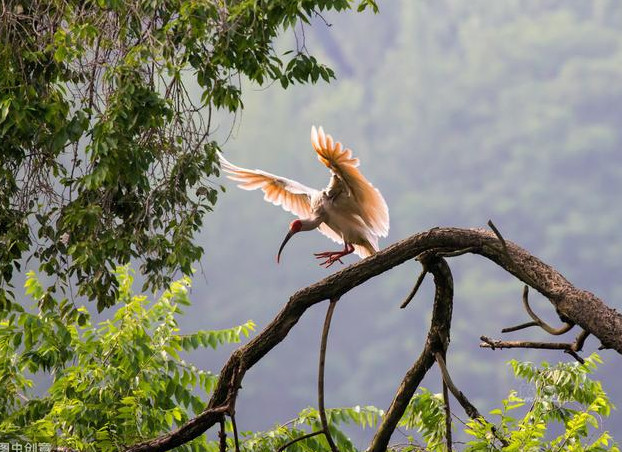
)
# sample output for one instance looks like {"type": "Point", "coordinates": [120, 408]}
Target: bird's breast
{"type": "Point", "coordinates": [341, 217]}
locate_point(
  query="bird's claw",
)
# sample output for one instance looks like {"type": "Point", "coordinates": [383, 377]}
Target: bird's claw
{"type": "Point", "coordinates": [331, 257]}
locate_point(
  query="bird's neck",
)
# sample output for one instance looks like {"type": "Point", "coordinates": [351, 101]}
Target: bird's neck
{"type": "Point", "coordinates": [310, 223]}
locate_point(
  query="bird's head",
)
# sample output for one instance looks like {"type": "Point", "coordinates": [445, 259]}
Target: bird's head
{"type": "Point", "coordinates": [294, 227]}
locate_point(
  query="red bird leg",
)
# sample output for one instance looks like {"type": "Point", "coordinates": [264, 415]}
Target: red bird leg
{"type": "Point", "coordinates": [334, 256]}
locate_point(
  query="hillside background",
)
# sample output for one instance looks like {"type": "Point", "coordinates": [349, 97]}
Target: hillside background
{"type": "Point", "coordinates": [460, 112]}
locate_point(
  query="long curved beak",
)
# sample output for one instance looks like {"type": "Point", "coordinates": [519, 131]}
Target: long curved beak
{"type": "Point", "coordinates": [285, 240]}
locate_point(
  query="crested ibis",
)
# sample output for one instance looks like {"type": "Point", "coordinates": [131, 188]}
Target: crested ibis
{"type": "Point", "coordinates": [350, 210]}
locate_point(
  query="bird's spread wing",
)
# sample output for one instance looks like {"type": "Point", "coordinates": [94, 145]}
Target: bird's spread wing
{"type": "Point", "coordinates": [291, 195]}
{"type": "Point", "coordinates": [369, 203]}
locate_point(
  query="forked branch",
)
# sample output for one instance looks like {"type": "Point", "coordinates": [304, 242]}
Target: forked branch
{"type": "Point", "coordinates": [579, 307]}
{"type": "Point", "coordinates": [437, 341]}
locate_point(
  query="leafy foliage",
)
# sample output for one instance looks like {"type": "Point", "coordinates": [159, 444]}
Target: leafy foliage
{"type": "Point", "coordinates": [124, 380]}
{"type": "Point", "coordinates": [106, 156]}
{"type": "Point", "coordinates": [111, 384]}
{"type": "Point", "coordinates": [426, 414]}
{"type": "Point", "coordinates": [563, 394]}
{"type": "Point", "coordinates": [309, 420]}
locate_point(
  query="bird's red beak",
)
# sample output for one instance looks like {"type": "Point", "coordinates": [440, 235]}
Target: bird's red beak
{"type": "Point", "coordinates": [289, 235]}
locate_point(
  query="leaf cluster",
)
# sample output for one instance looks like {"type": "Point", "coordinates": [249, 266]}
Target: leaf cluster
{"type": "Point", "coordinates": [308, 421]}
{"type": "Point", "coordinates": [561, 394]}
{"type": "Point", "coordinates": [106, 149]}
{"type": "Point", "coordinates": [124, 380]}
{"type": "Point", "coordinates": [111, 384]}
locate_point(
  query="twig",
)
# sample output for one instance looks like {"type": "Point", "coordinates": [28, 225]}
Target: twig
{"type": "Point", "coordinates": [413, 292]}
{"type": "Point", "coordinates": [494, 344]}
{"type": "Point", "coordinates": [448, 438]}
{"type": "Point", "coordinates": [522, 326]}
{"type": "Point", "coordinates": [499, 236]}
{"type": "Point", "coordinates": [222, 445]}
{"type": "Point", "coordinates": [580, 340]}
{"type": "Point", "coordinates": [575, 355]}
{"type": "Point", "coordinates": [469, 408]}
{"type": "Point", "coordinates": [567, 347]}
{"type": "Point", "coordinates": [424, 258]}
{"type": "Point", "coordinates": [320, 380]}
{"type": "Point", "coordinates": [236, 441]}
{"type": "Point", "coordinates": [300, 438]}
{"type": "Point", "coordinates": [541, 323]}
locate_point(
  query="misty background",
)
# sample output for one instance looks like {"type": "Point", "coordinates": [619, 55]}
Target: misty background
{"type": "Point", "coordinates": [460, 112]}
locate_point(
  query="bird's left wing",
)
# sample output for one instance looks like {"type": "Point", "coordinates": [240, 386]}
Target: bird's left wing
{"type": "Point", "coordinates": [291, 195]}
{"type": "Point", "coordinates": [369, 203]}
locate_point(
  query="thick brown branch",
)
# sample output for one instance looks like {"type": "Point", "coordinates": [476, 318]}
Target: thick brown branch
{"type": "Point", "coordinates": [437, 340]}
{"type": "Point", "coordinates": [580, 307]}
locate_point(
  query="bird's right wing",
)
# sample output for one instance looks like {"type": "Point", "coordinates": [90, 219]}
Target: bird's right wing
{"type": "Point", "coordinates": [368, 203]}
{"type": "Point", "coordinates": [291, 195]}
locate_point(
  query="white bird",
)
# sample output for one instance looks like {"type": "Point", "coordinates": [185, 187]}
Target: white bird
{"type": "Point", "coordinates": [350, 210]}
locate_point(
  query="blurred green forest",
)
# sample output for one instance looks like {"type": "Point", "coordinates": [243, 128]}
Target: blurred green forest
{"type": "Point", "coordinates": [460, 112]}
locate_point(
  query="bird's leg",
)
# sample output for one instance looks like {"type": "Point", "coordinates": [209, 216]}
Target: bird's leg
{"type": "Point", "coordinates": [334, 256]}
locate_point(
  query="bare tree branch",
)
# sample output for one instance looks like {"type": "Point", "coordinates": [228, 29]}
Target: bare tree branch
{"type": "Point", "coordinates": [495, 344]}
{"type": "Point", "coordinates": [448, 436]}
{"type": "Point", "coordinates": [578, 306]}
{"type": "Point", "coordinates": [222, 436]}
{"type": "Point", "coordinates": [413, 292]}
{"type": "Point", "coordinates": [437, 340]}
{"type": "Point", "coordinates": [541, 323]}
{"type": "Point", "coordinates": [469, 408]}
{"type": "Point", "coordinates": [499, 236]}
{"type": "Point", "coordinates": [236, 440]}
{"type": "Point", "coordinates": [320, 380]}
{"type": "Point", "coordinates": [522, 326]}
{"type": "Point", "coordinates": [567, 347]}
{"type": "Point", "coordinates": [300, 438]}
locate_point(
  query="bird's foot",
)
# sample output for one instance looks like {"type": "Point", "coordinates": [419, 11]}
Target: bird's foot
{"type": "Point", "coordinates": [333, 256]}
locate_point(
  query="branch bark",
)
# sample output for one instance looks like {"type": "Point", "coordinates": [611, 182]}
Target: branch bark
{"type": "Point", "coordinates": [574, 305]}
{"type": "Point", "coordinates": [437, 341]}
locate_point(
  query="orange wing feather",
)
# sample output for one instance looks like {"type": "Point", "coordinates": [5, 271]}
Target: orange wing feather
{"type": "Point", "coordinates": [291, 195]}
{"type": "Point", "coordinates": [371, 206]}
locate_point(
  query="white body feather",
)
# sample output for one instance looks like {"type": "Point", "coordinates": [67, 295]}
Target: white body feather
{"type": "Point", "coordinates": [350, 208]}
